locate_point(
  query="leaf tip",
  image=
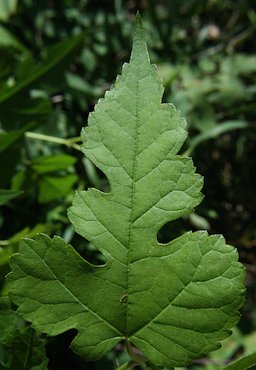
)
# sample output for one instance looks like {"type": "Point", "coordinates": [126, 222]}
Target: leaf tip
{"type": "Point", "coordinates": [139, 48]}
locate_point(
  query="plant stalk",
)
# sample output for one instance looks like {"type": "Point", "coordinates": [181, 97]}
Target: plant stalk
{"type": "Point", "coordinates": [140, 360]}
{"type": "Point", "coordinates": [71, 143]}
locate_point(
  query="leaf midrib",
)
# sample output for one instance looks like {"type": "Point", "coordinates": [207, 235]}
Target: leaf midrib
{"type": "Point", "coordinates": [135, 150]}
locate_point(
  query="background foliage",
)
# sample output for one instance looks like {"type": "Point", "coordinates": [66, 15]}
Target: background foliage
{"type": "Point", "coordinates": [57, 59]}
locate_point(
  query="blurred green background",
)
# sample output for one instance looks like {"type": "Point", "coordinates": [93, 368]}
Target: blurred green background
{"type": "Point", "coordinates": [56, 59]}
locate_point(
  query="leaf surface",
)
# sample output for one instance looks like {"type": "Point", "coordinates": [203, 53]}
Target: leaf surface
{"type": "Point", "coordinates": [176, 301]}
{"type": "Point", "coordinates": [245, 362]}
{"type": "Point", "coordinates": [8, 194]}
{"type": "Point", "coordinates": [216, 131]}
{"type": "Point", "coordinates": [52, 163]}
{"type": "Point", "coordinates": [59, 54]}
{"type": "Point", "coordinates": [20, 346]}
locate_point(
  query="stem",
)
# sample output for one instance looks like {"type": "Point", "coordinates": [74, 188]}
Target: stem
{"type": "Point", "coordinates": [71, 143]}
{"type": "Point", "coordinates": [188, 151]}
{"type": "Point", "coordinates": [29, 350]}
{"type": "Point", "coordinates": [76, 139]}
{"type": "Point", "coordinates": [138, 359]}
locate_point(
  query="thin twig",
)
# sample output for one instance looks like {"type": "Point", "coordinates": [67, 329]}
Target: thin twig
{"type": "Point", "coordinates": [71, 142]}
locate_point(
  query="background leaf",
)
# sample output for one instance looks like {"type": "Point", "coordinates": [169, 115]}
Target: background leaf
{"type": "Point", "coordinates": [6, 195]}
{"type": "Point", "coordinates": [215, 131]}
{"type": "Point", "coordinates": [56, 56]}
{"type": "Point", "coordinates": [245, 362]}
{"type": "Point", "coordinates": [7, 8]}
{"type": "Point", "coordinates": [17, 341]}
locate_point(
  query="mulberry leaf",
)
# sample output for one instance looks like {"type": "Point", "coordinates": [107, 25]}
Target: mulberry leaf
{"type": "Point", "coordinates": [174, 301]}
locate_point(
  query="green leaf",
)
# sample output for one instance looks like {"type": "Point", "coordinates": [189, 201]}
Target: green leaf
{"type": "Point", "coordinates": [243, 363]}
{"type": "Point", "coordinates": [174, 301]}
{"type": "Point", "coordinates": [57, 55]}
{"type": "Point", "coordinates": [7, 139]}
{"type": "Point", "coordinates": [215, 131]}
{"type": "Point", "coordinates": [52, 163]}
{"type": "Point", "coordinates": [10, 153]}
{"type": "Point", "coordinates": [10, 246]}
{"type": "Point", "coordinates": [78, 83]}
{"type": "Point", "coordinates": [20, 346]}
{"type": "Point", "coordinates": [7, 194]}
{"type": "Point", "coordinates": [7, 39]}
{"type": "Point", "coordinates": [23, 109]}
{"type": "Point", "coordinates": [7, 8]}
{"type": "Point", "coordinates": [248, 359]}
{"type": "Point", "coordinates": [16, 103]}
{"type": "Point", "coordinates": [55, 187]}
{"type": "Point", "coordinates": [51, 187]}
{"type": "Point", "coordinates": [229, 348]}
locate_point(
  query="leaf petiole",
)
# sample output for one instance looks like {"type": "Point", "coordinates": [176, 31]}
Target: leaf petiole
{"type": "Point", "coordinates": [139, 359]}
{"type": "Point", "coordinates": [71, 143]}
